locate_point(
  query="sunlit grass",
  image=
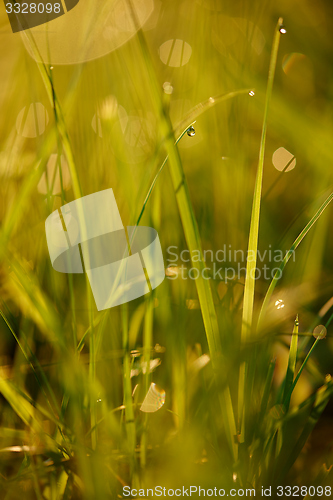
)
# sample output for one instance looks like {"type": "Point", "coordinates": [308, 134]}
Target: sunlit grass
{"type": "Point", "coordinates": [73, 379]}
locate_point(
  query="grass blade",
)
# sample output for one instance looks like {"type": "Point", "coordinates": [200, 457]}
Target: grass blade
{"type": "Point", "coordinates": [322, 397]}
{"type": "Point", "coordinates": [255, 215]}
{"type": "Point", "coordinates": [267, 390]}
{"type": "Point", "coordinates": [254, 231]}
{"type": "Point", "coordinates": [293, 385]}
{"type": "Point", "coordinates": [291, 366]}
{"type": "Point", "coordinates": [288, 256]}
{"type": "Point", "coordinates": [192, 237]}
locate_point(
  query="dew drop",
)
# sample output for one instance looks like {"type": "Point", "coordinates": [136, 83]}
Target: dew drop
{"type": "Point", "coordinates": [279, 304]}
{"type": "Point", "coordinates": [168, 88]}
{"type": "Point", "coordinates": [320, 332]}
{"type": "Point", "coordinates": [191, 131]}
{"type": "Point", "coordinates": [252, 93]}
{"type": "Point", "coordinates": [282, 29]}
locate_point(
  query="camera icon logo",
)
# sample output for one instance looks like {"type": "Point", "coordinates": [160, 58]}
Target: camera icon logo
{"type": "Point", "coordinates": [87, 235]}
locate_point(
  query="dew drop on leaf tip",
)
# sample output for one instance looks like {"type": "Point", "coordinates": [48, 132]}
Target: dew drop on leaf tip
{"type": "Point", "coordinates": [191, 131]}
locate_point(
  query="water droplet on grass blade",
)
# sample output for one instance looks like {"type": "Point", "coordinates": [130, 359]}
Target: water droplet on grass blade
{"type": "Point", "coordinates": [191, 131]}
{"type": "Point", "coordinates": [154, 400]}
{"type": "Point", "coordinates": [320, 332]}
{"type": "Point", "coordinates": [279, 304]}
{"type": "Point", "coordinates": [282, 29]}
{"type": "Point", "coordinates": [252, 93]}
{"type": "Point", "coordinates": [168, 88]}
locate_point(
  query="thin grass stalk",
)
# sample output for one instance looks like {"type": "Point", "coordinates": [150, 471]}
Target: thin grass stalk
{"type": "Point", "coordinates": [254, 233]}
{"type": "Point", "coordinates": [322, 398]}
{"type": "Point", "coordinates": [127, 390]}
{"type": "Point", "coordinates": [287, 257]}
{"type": "Point", "coordinates": [31, 359]}
{"type": "Point", "coordinates": [147, 344]}
{"type": "Point", "coordinates": [291, 366]}
{"type": "Point", "coordinates": [62, 132]}
{"type": "Point", "coordinates": [293, 385]}
{"type": "Point", "coordinates": [188, 122]}
{"type": "Point", "coordinates": [63, 199]}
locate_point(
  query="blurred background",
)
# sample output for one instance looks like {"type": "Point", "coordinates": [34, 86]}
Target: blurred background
{"type": "Point", "coordinates": [97, 64]}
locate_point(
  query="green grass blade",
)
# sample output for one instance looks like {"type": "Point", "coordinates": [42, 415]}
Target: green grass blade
{"type": "Point", "coordinates": [147, 345]}
{"type": "Point", "coordinates": [254, 231]}
{"type": "Point", "coordinates": [23, 409]}
{"type": "Point", "coordinates": [40, 308]}
{"type": "Point", "coordinates": [293, 385]}
{"type": "Point", "coordinates": [32, 360]}
{"type": "Point", "coordinates": [291, 366]}
{"type": "Point", "coordinates": [288, 256]}
{"type": "Point", "coordinates": [323, 395]}
{"type": "Point", "coordinates": [267, 390]}
{"type": "Point", "coordinates": [192, 237]}
{"type": "Point", "coordinates": [127, 391]}
{"type": "Point", "coordinates": [186, 122]}
{"type": "Point", "coordinates": [255, 215]}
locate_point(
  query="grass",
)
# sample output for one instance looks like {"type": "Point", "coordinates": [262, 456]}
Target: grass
{"type": "Point", "coordinates": [73, 379]}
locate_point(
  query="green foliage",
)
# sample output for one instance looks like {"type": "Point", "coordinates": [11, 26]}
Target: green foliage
{"type": "Point", "coordinates": [73, 379]}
